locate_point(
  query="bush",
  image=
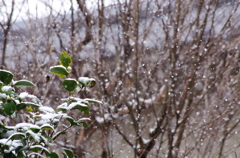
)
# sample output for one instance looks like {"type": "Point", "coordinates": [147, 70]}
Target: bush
{"type": "Point", "coordinates": [39, 125]}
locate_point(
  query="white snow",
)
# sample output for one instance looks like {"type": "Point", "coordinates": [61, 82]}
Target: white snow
{"type": "Point", "coordinates": [49, 116]}
{"type": "Point", "coordinates": [23, 95]}
{"type": "Point", "coordinates": [12, 143]}
{"type": "Point", "coordinates": [3, 141]}
{"type": "Point", "coordinates": [6, 88]}
{"type": "Point", "coordinates": [74, 104]}
{"type": "Point", "coordinates": [100, 120]}
{"type": "Point", "coordinates": [84, 80]}
{"type": "Point", "coordinates": [107, 117]}
{"type": "Point", "coordinates": [145, 141]}
{"type": "Point", "coordinates": [2, 117]}
{"type": "Point", "coordinates": [47, 126]}
{"type": "Point", "coordinates": [39, 146]}
{"type": "Point", "coordinates": [57, 66]}
{"type": "Point", "coordinates": [70, 79]}
{"type": "Point", "coordinates": [84, 119]}
{"type": "Point", "coordinates": [47, 109]}
{"type": "Point", "coordinates": [3, 95]}
{"type": "Point", "coordinates": [77, 99]}
{"type": "Point", "coordinates": [92, 100]}
{"type": "Point", "coordinates": [36, 136]}
{"type": "Point", "coordinates": [6, 71]}
{"type": "Point", "coordinates": [23, 126]}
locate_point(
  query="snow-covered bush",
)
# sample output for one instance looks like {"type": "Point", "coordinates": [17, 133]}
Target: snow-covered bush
{"type": "Point", "coordinates": [38, 125]}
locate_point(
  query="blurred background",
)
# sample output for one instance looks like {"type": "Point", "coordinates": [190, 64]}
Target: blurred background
{"type": "Point", "coordinates": [166, 70]}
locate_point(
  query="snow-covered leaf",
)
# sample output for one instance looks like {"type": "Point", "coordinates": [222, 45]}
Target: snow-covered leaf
{"type": "Point", "coordinates": [47, 126]}
{"type": "Point", "coordinates": [34, 136]}
{"type": "Point", "coordinates": [82, 107]}
{"type": "Point", "coordinates": [15, 136]}
{"type": "Point", "coordinates": [37, 148]}
{"type": "Point", "coordinates": [3, 96]}
{"type": "Point", "coordinates": [58, 134]}
{"type": "Point", "coordinates": [63, 107]}
{"type": "Point", "coordinates": [23, 127]}
{"type": "Point", "coordinates": [59, 70]}
{"type": "Point", "coordinates": [74, 105]}
{"type": "Point", "coordinates": [49, 116]}
{"type": "Point", "coordinates": [70, 84]}
{"type": "Point", "coordinates": [32, 104]}
{"type": "Point", "coordinates": [92, 101]}
{"type": "Point", "coordinates": [7, 90]}
{"type": "Point", "coordinates": [35, 128]}
{"type": "Point", "coordinates": [71, 120]}
{"type": "Point", "coordinates": [25, 95]}
{"type": "Point", "coordinates": [21, 106]}
{"type": "Point", "coordinates": [6, 76]}
{"type": "Point", "coordinates": [84, 81]}
{"type": "Point", "coordinates": [47, 109]}
{"type": "Point", "coordinates": [23, 83]}
{"type": "Point", "coordinates": [74, 99]}
{"type": "Point", "coordinates": [37, 155]}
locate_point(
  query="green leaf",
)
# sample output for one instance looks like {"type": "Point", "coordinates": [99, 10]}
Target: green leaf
{"type": "Point", "coordinates": [45, 138]}
{"type": "Point", "coordinates": [82, 107]}
{"type": "Point", "coordinates": [29, 109]}
{"type": "Point", "coordinates": [92, 82]}
{"type": "Point", "coordinates": [6, 77]}
{"type": "Point", "coordinates": [52, 155]}
{"type": "Point", "coordinates": [63, 107]}
{"type": "Point", "coordinates": [1, 84]}
{"type": "Point", "coordinates": [47, 126]}
{"type": "Point", "coordinates": [58, 134]}
{"type": "Point", "coordinates": [21, 106]}
{"type": "Point", "coordinates": [37, 155]}
{"type": "Point", "coordinates": [33, 135]}
{"type": "Point", "coordinates": [31, 104]}
{"type": "Point", "coordinates": [23, 83]}
{"type": "Point", "coordinates": [59, 70]}
{"type": "Point", "coordinates": [19, 150]}
{"type": "Point", "coordinates": [85, 124]}
{"type": "Point", "coordinates": [70, 84]}
{"type": "Point", "coordinates": [35, 128]}
{"type": "Point", "coordinates": [69, 153]}
{"type": "Point", "coordinates": [9, 107]}
{"type": "Point", "coordinates": [9, 155]}
{"type": "Point", "coordinates": [71, 120]}
{"type": "Point", "coordinates": [21, 154]}
{"type": "Point", "coordinates": [17, 135]}
{"type": "Point", "coordinates": [65, 155]}
{"type": "Point", "coordinates": [65, 59]}
{"type": "Point", "coordinates": [37, 148]}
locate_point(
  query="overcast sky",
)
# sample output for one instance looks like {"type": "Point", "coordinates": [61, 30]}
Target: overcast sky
{"type": "Point", "coordinates": [39, 8]}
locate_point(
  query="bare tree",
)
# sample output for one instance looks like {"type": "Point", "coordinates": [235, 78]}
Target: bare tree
{"type": "Point", "coordinates": [167, 72]}
{"type": "Point", "coordinates": [5, 27]}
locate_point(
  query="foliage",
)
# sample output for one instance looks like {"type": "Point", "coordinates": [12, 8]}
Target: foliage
{"type": "Point", "coordinates": [168, 72]}
{"type": "Point", "coordinates": [38, 128]}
